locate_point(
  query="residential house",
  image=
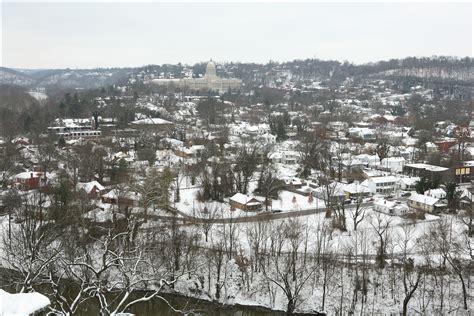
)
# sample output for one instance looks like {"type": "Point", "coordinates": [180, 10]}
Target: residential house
{"type": "Point", "coordinates": [381, 185]}
{"type": "Point", "coordinates": [121, 197]}
{"type": "Point", "coordinates": [93, 188]}
{"type": "Point", "coordinates": [390, 207]}
{"type": "Point", "coordinates": [407, 183]}
{"type": "Point", "coordinates": [436, 193]}
{"type": "Point", "coordinates": [285, 157]}
{"type": "Point", "coordinates": [368, 160]}
{"type": "Point", "coordinates": [28, 180]}
{"type": "Point", "coordinates": [245, 203]}
{"type": "Point", "coordinates": [393, 164]}
{"type": "Point", "coordinates": [354, 190]}
{"type": "Point", "coordinates": [334, 190]}
{"type": "Point", "coordinates": [363, 133]}
{"type": "Point", "coordinates": [294, 183]}
{"type": "Point", "coordinates": [156, 124]}
{"type": "Point", "coordinates": [425, 203]}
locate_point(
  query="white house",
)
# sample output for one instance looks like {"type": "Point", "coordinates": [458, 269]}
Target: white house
{"type": "Point", "coordinates": [393, 164]}
{"type": "Point", "coordinates": [362, 133]}
{"type": "Point", "coordinates": [390, 207]}
{"type": "Point", "coordinates": [407, 183]}
{"type": "Point", "coordinates": [381, 185]}
{"type": "Point", "coordinates": [368, 160]}
{"type": "Point", "coordinates": [285, 157]}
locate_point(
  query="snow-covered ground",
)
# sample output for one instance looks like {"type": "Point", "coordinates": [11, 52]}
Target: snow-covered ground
{"type": "Point", "coordinates": [21, 304]}
{"type": "Point", "coordinates": [241, 284]}
{"type": "Point", "coordinates": [385, 294]}
{"type": "Point", "coordinates": [287, 201]}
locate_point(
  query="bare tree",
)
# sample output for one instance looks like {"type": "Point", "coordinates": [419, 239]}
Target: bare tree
{"type": "Point", "coordinates": [245, 166]}
{"type": "Point", "coordinates": [257, 235]}
{"type": "Point", "coordinates": [286, 270]}
{"type": "Point", "coordinates": [231, 235]}
{"type": "Point", "coordinates": [150, 193]}
{"type": "Point", "coordinates": [381, 227]}
{"type": "Point", "coordinates": [110, 273]}
{"type": "Point", "coordinates": [411, 275]}
{"type": "Point", "coordinates": [11, 203]}
{"type": "Point", "coordinates": [269, 186]}
{"type": "Point", "coordinates": [453, 249]}
{"type": "Point", "coordinates": [467, 212]}
{"type": "Point", "coordinates": [358, 212]}
{"type": "Point", "coordinates": [382, 150]}
{"type": "Point", "coordinates": [29, 246]}
{"type": "Point", "coordinates": [339, 219]}
{"type": "Point", "coordinates": [309, 150]}
{"type": "Point", "coordinates": [206, 215]}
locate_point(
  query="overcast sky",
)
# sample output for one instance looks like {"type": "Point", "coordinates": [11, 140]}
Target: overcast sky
{"type": "Point", "coordinates": [87, 35]}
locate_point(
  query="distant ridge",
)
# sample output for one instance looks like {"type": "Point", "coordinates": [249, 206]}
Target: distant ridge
{"type": "Point", "coordinates": [429, 68]}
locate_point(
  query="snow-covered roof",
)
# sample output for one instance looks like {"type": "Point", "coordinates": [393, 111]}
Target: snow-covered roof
{"type": "Point", "coordinates": [424, 199]}
{"type": "Point", "coordinates": [469, 163]}
{"type": "Point", "coordinates": [384, 179]}
{"type": "Point", "coordinates": [88, 186]}
{"type": "Point", "coordinates": [385, 203]}
{"type": "Point", "coordinates": [28, 174]}
{"type": "Point", "coordinates": [173, 141]}
{"type": "Point", "coordinates": [426, 167]}
{"type": "Point", "coordinates": [115, 193]}
{"type": "Point", "coordinates": [244, 199]}
{"type": "Point", "coordinates": [409, 180]}
{"type": "Point", "coordinates": [370, 159]}
{"type": "Point", "coordinates": [151, 121]}
{"type": "Point", "coordinates": [356, 188]}
{"type": "Point", "coordinates": [440, 193]}
{"type": "Point", "coordinates": [465, 193]}
{"type": "Point", "coordinates": [393, 159]}
{"type": "Point", "coordinates": [99, 215]}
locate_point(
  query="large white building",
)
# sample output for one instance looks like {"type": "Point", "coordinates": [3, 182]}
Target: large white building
{"type": "Point", "coordinates": [210, 81]}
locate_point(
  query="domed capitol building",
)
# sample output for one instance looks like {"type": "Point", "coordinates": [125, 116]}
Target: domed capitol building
{"type": "Point", "coordinates": [210, 81]}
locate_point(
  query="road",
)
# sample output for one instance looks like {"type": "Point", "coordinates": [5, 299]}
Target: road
{"type": "Point", "coordinates": [263, 216]}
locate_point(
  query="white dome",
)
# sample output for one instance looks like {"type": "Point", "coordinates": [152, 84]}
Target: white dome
{"type": "Point", "coordinates": [211, 69]}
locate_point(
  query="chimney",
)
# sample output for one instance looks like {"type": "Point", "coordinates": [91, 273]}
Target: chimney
{"type": "Point", "coordinates": [31, 174]}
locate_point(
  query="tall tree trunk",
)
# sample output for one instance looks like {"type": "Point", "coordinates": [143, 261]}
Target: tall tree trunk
{"type": "Point", "coordinates": [290, 307]}
{"type": "Point", "coordinates": [464, 290]}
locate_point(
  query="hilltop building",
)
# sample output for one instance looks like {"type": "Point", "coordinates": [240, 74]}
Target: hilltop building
{"type": "Point", "coordinates": [210, 81]}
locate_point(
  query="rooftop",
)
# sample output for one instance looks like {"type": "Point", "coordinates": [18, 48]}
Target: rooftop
{"type": "Point", "coordinates": [424, 199]}
{"type": "Point", "coordinates": [426, 167]}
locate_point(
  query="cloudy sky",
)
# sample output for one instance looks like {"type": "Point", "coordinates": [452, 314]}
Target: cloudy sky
{"type": "Point", "coordinates": [87, 35]}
